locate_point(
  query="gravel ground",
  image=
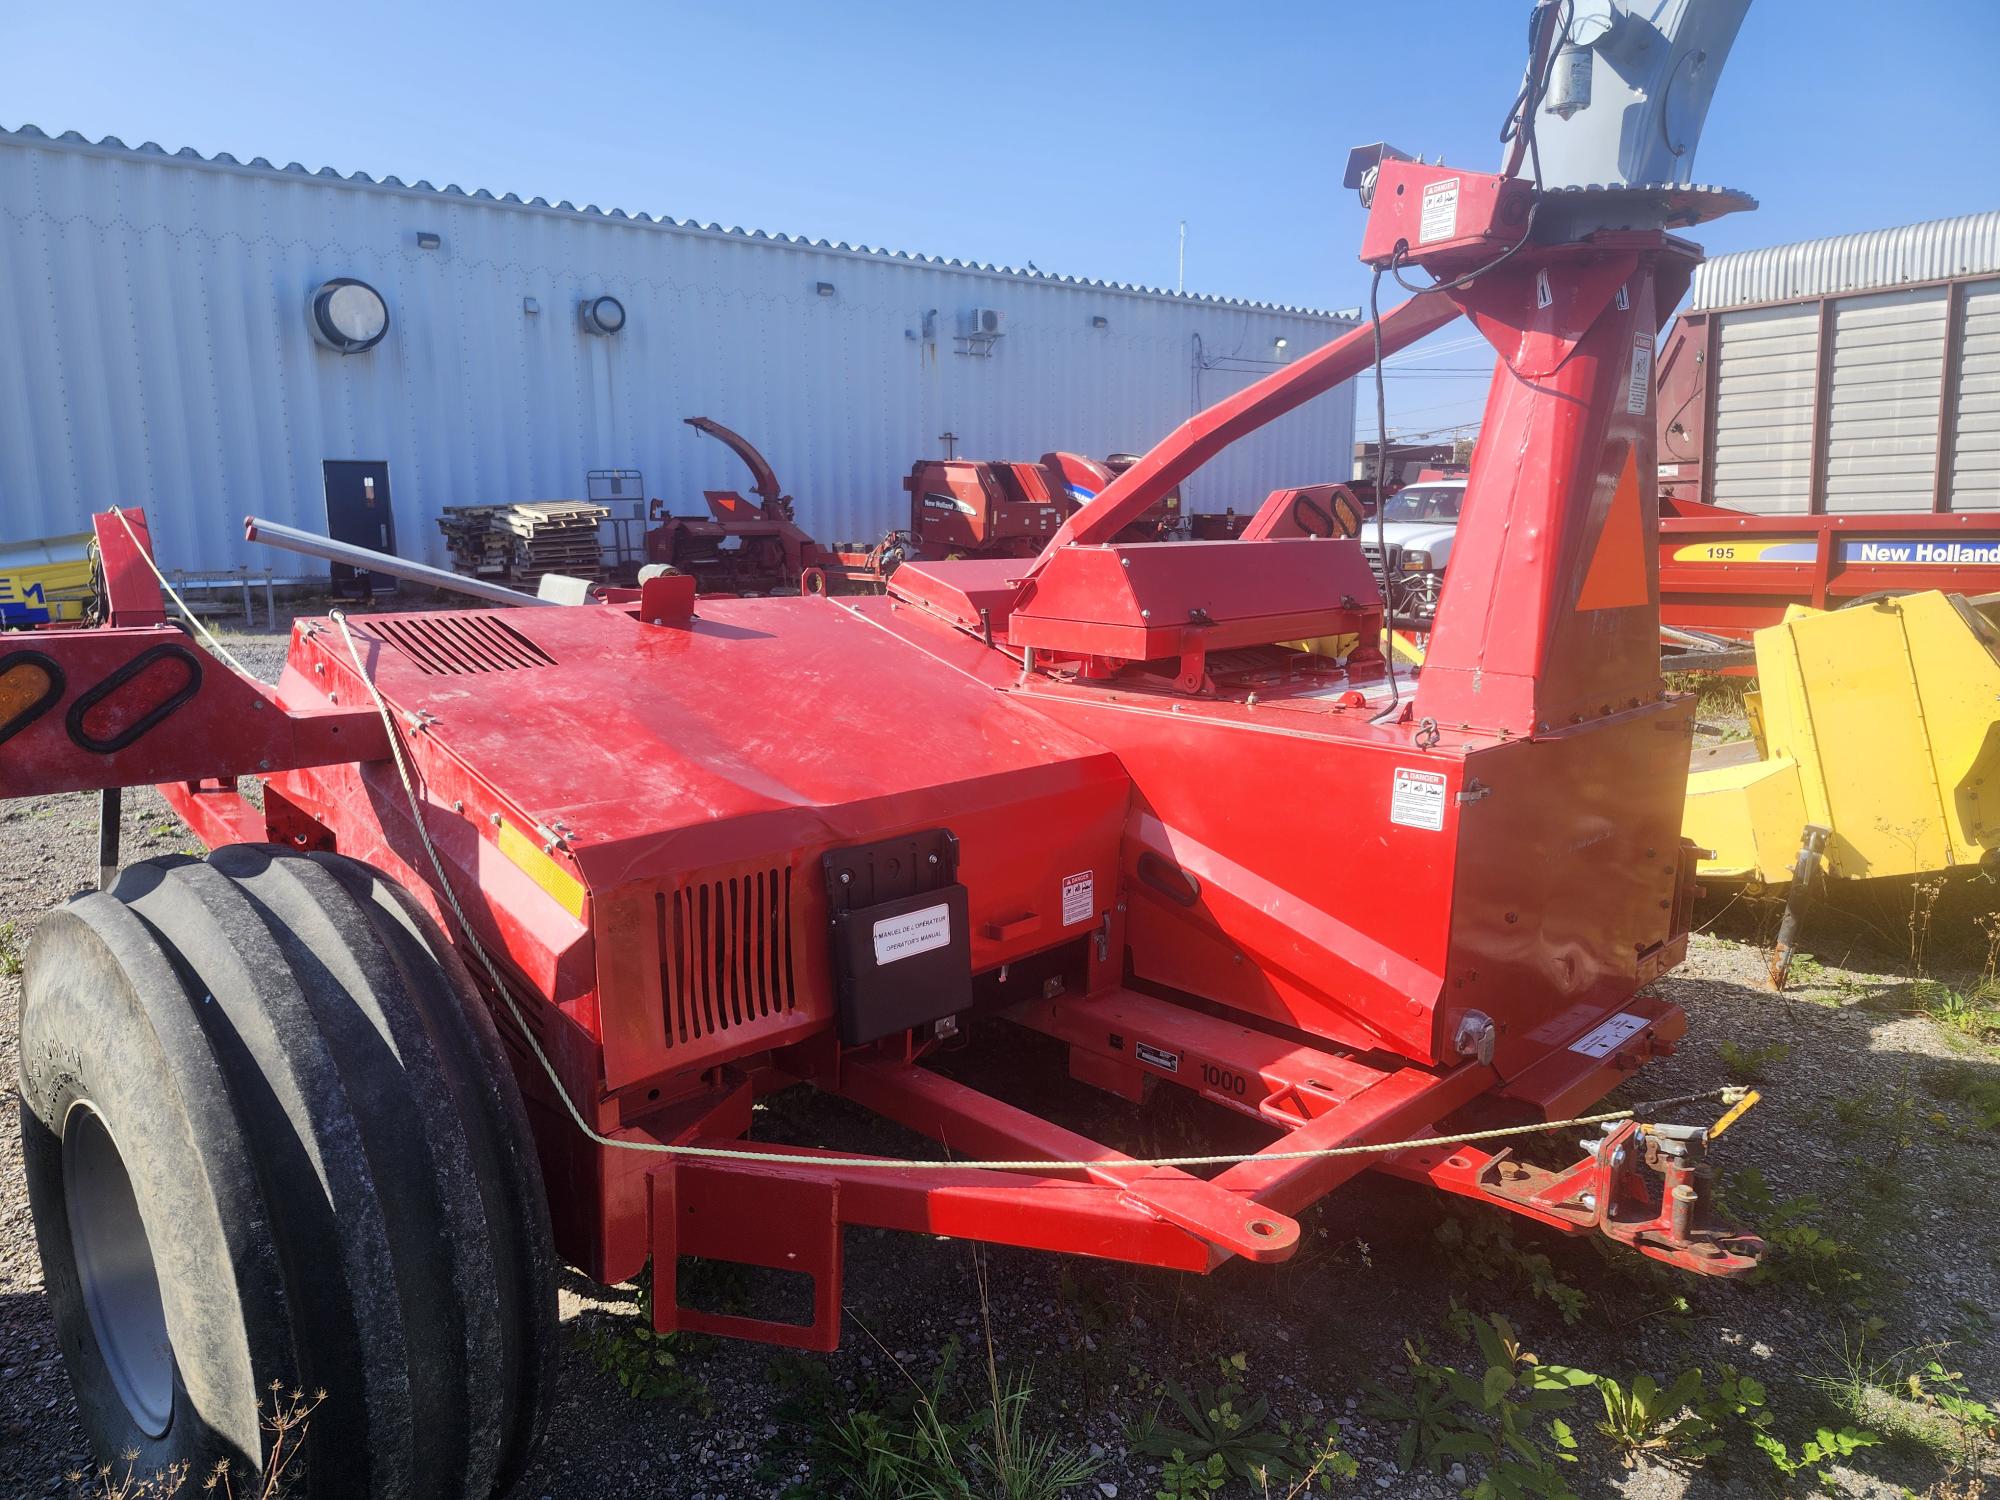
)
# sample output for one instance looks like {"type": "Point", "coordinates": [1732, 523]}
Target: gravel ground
{"type": "Point", "coordinates": [1858, 1117]}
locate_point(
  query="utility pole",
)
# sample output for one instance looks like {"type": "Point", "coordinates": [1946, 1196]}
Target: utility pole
{"type": "Point", "coordinates": [1180, 280]}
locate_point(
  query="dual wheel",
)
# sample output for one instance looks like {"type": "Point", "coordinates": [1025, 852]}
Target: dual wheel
{"type": "Point", "coordinates": [273, 1144]}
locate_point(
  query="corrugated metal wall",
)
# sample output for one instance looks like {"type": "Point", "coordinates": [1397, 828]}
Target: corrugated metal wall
{"type": "Point", "coordinates": [1975, 455]}
{"type": "Point", "coordinates": [1882, 400]}
{"type": "Point", "coordinates": [1764, 409]}
{"type": "Point", "coordinates": [1900, 411]}
{"type": "Point", "coordinates": [154, 310]}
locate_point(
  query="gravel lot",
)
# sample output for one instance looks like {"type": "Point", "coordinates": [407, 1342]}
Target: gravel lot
{"type": "Point", "coordinates": [1858, 1116]}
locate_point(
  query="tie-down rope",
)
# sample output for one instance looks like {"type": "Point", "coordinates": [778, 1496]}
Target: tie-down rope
{"type": "Point", "coordinates": [1740, 1099]}
{"type": "Point", "coordinates": [174, 594]}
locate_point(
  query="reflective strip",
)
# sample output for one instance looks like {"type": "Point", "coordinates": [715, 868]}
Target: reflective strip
{"type": "Point", "coordinates": [541, 869]}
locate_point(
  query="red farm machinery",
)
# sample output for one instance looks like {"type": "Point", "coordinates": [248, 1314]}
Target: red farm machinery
{"type": "Point", "coordinates": [963, 508]}
{"type": "Point", "coordinates": [535, 903]}
{"type": "Point", "coordinates": [746, 546]}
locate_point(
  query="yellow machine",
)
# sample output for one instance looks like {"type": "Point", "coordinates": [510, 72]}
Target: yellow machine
{"type": "Point", "coordinates": [44, 580]}
{"type": "Point", "coordinates": [1879, 724]}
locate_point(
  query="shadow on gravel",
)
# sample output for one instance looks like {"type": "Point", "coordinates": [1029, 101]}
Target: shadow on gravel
{"type": "Point", "coordinates": [40, 1440]}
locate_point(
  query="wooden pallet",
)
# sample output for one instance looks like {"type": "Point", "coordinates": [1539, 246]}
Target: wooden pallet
{"type": "Point", "coordinates": [520, 542]}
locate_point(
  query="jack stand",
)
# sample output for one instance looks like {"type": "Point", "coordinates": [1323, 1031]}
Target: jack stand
{"type": "Point", "coordinates": [1803, 870]}
{"type": "Point", "coordinates": [109, 806]}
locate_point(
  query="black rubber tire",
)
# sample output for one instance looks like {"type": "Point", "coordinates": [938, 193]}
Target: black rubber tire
{"type": "Point", "coordinates": [106, 1023]}
{"type": "Point", "coordinates": [393, 1190]}
{"type": "Point", "coordinates": [503, 1147]}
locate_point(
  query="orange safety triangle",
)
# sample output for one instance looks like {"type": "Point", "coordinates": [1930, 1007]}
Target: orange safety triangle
{"type": "Point", "coordinates": [1616, 578]}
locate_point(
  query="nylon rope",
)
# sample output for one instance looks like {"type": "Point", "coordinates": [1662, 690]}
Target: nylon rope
{"type": "Point", "coordinates": [174, 594]}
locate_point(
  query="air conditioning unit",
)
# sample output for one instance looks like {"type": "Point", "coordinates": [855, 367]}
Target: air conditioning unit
{"type": "Point", "coordinates": [985, 322]}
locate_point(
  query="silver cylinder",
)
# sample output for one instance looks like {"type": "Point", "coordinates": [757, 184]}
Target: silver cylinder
{"type": "Point", "coordinates": [311, 544]}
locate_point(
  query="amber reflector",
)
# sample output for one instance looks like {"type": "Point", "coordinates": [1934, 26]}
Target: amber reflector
{"type": "Point", "coordinates": [21, 689]}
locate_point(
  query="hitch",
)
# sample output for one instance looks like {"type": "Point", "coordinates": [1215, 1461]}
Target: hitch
{"type": "Point", "coordinates": [1646, 1185]}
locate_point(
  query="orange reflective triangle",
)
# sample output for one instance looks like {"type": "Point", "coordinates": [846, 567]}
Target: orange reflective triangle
{"type": "Point", "coordinates": [1616, 578]}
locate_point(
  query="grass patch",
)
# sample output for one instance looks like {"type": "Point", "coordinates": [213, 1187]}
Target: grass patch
{"type": "Point", "coordinates": [1227, 1435]}
{"type": "Point", "coordinates": [1911, 1397]}
{"type": "Point", "coordinates": [1715, 696]}
{"type": "Point", "coordinates": [1972, 1012]}
{"type": "Point", "coordinates": [10, 951]}
{"type": "Point", "coordinates": [645, 1363]}
{"type": "Point", "coordinates": [1974, 1087]}
{"type": "Point", "coordinates": [946, 1437]}
{"type": "Point", "coordinates": [1752, 1064]}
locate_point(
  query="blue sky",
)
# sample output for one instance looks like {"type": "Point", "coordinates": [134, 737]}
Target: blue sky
{"type": "Point", "coordinates": [1076, 135]}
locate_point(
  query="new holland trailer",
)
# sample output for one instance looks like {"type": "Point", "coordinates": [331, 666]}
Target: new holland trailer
{"type": "Point", "coordinates": [1829, 426]}
{"type": "Point", "coordinates": [537, 902]}
{"type": "Point", "coordinates": [1727, 573]}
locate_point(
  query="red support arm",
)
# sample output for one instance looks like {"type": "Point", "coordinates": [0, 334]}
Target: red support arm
{"type": "Point", "coordinates": [1207, 433]}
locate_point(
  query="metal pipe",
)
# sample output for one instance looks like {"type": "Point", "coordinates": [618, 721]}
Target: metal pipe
{"type": "Point", "coordinates": [311, 544]}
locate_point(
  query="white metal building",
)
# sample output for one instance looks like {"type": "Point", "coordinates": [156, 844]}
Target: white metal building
{"type": "Point", "coordinates": [154, 310]}
{"type": "Point", "coordinates": [1859, 373]}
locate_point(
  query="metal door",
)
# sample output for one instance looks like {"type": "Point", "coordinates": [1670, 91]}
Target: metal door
{"type": "Point", "coordinates": [358, 512]}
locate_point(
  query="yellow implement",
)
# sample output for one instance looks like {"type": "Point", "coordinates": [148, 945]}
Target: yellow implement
{"type": "Point", "coordinates": [1879, 723]}
{"type": "Point", "coordinates": [45, 579]}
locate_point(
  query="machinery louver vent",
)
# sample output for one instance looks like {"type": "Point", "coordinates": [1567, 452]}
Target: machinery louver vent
{"type": "Point", "coordinates": [726, 954]}
{"type": "Point", "coordinates": [462, 645]}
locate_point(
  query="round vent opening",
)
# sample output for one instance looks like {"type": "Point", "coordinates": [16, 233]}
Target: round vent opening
{"type": "Point", "coordinates": [602, 315]}
{"type": "Point", "coordinates": [348, 316]}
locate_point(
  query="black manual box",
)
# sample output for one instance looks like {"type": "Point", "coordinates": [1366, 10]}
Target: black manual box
{"type": "Point", "coordinates": [902, 954]}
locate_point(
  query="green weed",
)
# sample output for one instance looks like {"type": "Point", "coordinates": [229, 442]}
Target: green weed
{"type": "Point", "coordinates": [932, 1441]}
{"type": "Point", "coordinates": [1647, 1417]}
{"type": "Point", "coordinates": [944, 1438]}
{"type": "Point", "coordinates": [1221, 1421]}
{"type": "Point", "coordinates": [645, 1363]}
{"type": "Point", "coordinates": [1971, 1085]}
{"type": "Point", "coordinates": [1799, 1250]}
{"type": "Point", "coordinates": [1973, 1012]}
{"type": "Point", "coordinates": [1494, 1418]}
{"type": "Point", "coordinates": [1807, 971]}
{"type": "Point", "coordinates": [1751, 1064]}
{"type": "Point", "coordinates": [1483, 1246]}
{"type": "Point", "coordinates": [1910, 1394]}
{"type": "Point", "coordinates": [1816, 1455]}
{"type": "Point", "coordinates": [10, 951]}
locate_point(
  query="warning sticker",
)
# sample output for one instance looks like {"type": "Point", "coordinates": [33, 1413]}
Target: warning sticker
{"type": "Point", "coordinates": [1641, 382]}
{"type": "Point", "coordinates": [1439, 220]}
{"type": "Point", "coordinates": [1612, 1035]}
{"type": "Point", "coordinates": [1416, 800]}
{"type": "Point", "coordinates": [1079, 900]}
{"type": "Point", "coordinates": [912, 933]}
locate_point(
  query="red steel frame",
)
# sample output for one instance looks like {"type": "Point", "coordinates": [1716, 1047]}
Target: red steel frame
{"type": "Point", "coordinates": [1406, 905]}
